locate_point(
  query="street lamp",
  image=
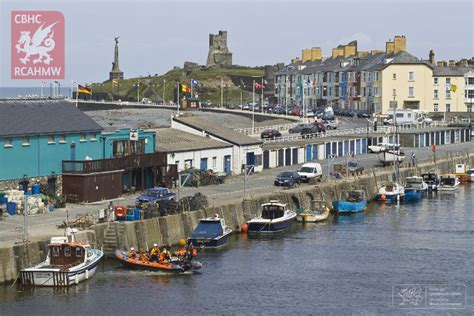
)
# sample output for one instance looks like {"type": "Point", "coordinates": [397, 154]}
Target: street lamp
{"type": "Point", "coordinates": [138, 91]}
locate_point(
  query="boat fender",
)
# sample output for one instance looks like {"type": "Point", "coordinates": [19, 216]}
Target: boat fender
{"type": "Point", "coordinates": [244, 228]}
{"type": "Point", "coordinates": [383, 197]}
{"type": "Point", "coordinates": [76, 279]}
{"type": "Point", "coordinates": [87, 274]}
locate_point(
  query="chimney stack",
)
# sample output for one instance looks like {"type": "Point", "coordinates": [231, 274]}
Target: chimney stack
{"type": "Point", "coordinates": [440, 63]}
{"type": "Point", "coordinates": [463, 62]}
{"type": "Point", "coordinates": [432, 57]}
{"type": "Point", "coordinates": [389, 47]}
{"type": "Point", "coordinates": [400, 44]}
{"type": "Point", "coordinates": [452, 63]}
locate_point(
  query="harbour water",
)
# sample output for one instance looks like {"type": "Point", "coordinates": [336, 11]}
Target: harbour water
{"type": "Point", "coordinates": [349, 265]}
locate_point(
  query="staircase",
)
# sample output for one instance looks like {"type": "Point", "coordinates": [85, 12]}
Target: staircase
{"type": "Point", "coordinates": [111, 239]}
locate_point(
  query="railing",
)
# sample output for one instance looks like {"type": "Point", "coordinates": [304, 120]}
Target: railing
{"type": "Point", "coordinates": [259, 129]}
{"type": "Point", "coordinates": [330, 133]}
{"type": "Point", "coordinates": [121, 163]}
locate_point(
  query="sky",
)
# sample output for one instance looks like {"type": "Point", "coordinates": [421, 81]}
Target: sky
{"type": "Point", "coordinates": [157, 35]}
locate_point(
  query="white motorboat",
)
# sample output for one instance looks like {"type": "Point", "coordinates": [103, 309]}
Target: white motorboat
{"type": "Point", "coordinates": [389, 156]}
{"type": "Point", "coordinates": [392, 192]}
{"type": "Point", "coordinates": [449, 183]}
{"type": "Point", "coordinates": [67, 263]}
{"type": "Point", "coordinates": [432, 180]}
{"type": "Point", "coordinates": [274, 218]}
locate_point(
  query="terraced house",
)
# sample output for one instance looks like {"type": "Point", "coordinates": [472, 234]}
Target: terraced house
{"type": "Point", "coordinates": [370, 80]}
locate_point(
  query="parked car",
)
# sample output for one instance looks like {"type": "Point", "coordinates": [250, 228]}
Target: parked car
{"type": "Point", "coordinates": [330, 124]}
{"type": "Point", "coordinates": [363, 114]}
{"type": "Point", "coordinates": [309, 131]}
{"type": "Point", "coordinates": [309, 171]}
{"type": "Point", "coordinates": [298, 128]}
{"type": "Point", "coordinates": [354, 167]}
{"type": "Point", "coordinates": [155, 195]}
{"type": "Point", "coordinates": [287, 178]}
{"type": "Point", "coordinates": [381, 147]}
{"type": "Point", "coordinates": [270, 134]}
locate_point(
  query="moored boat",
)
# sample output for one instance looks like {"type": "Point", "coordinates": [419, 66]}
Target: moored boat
{"type": "Point", "coordinates": [273, 218]}
{"type": "Point", "coordinates": [449, 183]}
{"type": "Point", "coordinates": [391, 192]}
{"type": "Point", "coordinates": [351, 201]}
{"type": "Point", "coordinates": [432, 180]}
{"type": "Point", "coordinates": [415, 187]}
{"type": "Point", "coordinates": [470, 174]}
{"type": "Point", "coordinates": [391, 154]}
{"type": "Point", "coordinates": [210, 233]}
{"type": "Point", "coordinates": [176, 264]}
{"type": "Point", "coordinates": [318, 212]}
{"type": "Point", "coordinates": [67, 263]}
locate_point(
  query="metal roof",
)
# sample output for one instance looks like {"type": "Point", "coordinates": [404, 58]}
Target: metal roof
{"type": "Point", "coordinates": [218, 131]}
{"type": "Point", "coordinates": [173, 140]}
{"type": "Point", "coordinates": [18, 118]}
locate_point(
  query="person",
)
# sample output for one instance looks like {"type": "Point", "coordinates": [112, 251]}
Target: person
{"type": "Point", "coordinates": [154, 253]}
{"type": "Point", "coordinates": [144, 256]}
{"type": "Point", "coordinates": [413, 159]}
{"type": "Point", "coordinates": [111, 211]}
{"type": "Point", "coordinates": [132, 254]}
{"type": "Point", "coordinates": [164, 256]}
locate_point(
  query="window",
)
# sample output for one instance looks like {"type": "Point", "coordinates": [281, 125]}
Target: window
{"type": "Point", "coordinates": [470, 94]}
{"type": "Point", "coordinates": [469, 107]}
{"type": "Point", "coordinates": [55, 251]}
{"type": "Point", "coordinates": [364, 77]}
{"type": "Point", "coordinates": [188, 163]}
{"type": "Point", "coordinates": [364, 91]}
{"type": "Point", "coordinates": [411, 76]}
{"type": "Point", "coordinates": [435, 81]}
{"type": "Point", "coordinates": [435, 107]}
{"type": "Point", "coordinates": [411, 92]}
{"type": "Point", "coordinates": [435, 94]}
{"type": "Point", "coordinates": [470, 81]}
{"type": "Point", "coordinates": [82, 138]}
{"type": "Point", "coordinates": [214, 162]}
{"type": "Point", "coordinates": [330, 91]}
{"type": "Point", "coordinates": [26, 141]}
{"type": "Point", "coordinates": [126, 147]}
{"type": "Point", "coordinates": [67, 251]}
{"type": "Point", "coordinates": [93, 137]}
{"type": "Point", "coordinates": [448, 94]}
{"type": "Point", "coordinates": [62, 139]}
{"type": "Point", "coordinates": [51, 139]}
{"type": "Point", "coordinates": [394, 92]}
{"type": "Point", "coordinates": [394, 76]}
{"type": "Point", "coordinates": [448, 81]}
{"type": "Point", "coordinates": [7, 142]}
{"type": "Point", "coordinates": [448, 107]}
{"type": "Point", "coordinates": [376, 91]}
{"type": "Point", "coordinates": [78, 252]}
{"type": "Point", "coordinates": [369, 77]}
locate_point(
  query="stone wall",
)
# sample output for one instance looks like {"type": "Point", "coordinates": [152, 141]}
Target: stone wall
{"type": "Point", "coordinates": [14, 184]}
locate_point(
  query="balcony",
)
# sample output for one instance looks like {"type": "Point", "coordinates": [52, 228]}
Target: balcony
{"type": "Point", "coordinates": [122, 163]}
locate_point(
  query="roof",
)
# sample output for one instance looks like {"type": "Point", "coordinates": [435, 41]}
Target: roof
{"type": "Point", "coordinates": [217, 130]}
{"type": "Point", "coordinates": [173, 140]}
{"type": "Point", "coordinates": [20, 118]}
{"type": "Point", "coordinates": [456, 71]}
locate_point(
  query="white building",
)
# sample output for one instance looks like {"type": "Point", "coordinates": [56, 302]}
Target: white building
{"type": "Point", "coordinates": [187, 150]}
{"type": "Point", "coordinates": [469, 90]}
{"type": "Point", "coordinates": [245, 149]}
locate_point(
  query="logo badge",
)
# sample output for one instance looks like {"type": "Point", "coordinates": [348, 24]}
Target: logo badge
{"type": "Point", "coordinates": [37, 50]}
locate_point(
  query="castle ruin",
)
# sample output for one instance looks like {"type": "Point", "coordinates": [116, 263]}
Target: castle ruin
{"type": "Point", "coordinates": [219, 54]}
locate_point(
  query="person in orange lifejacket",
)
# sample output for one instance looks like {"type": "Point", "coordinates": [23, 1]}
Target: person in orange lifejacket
{"type": "Point", "coordinates": [132, 254]}
{"type": "Point", "coordinates": [154, 253]}
{"type": "Point", "coordinates": [144, 256]}
{"type": "Point", "coordinates": [165, 255]}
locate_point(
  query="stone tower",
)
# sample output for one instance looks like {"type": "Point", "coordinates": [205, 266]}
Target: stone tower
{"type": "Point", "coordinates": [116, 73]}
{"type": "Point", "coordinates": [219, 54]}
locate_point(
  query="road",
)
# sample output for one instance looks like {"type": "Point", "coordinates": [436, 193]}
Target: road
{"type": "Point", "coordinates": [44, 225]}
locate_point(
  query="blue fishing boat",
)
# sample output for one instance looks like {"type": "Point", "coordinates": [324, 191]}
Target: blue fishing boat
{"type": "Point", "coordinates": [351, 201]}
{"type": "Point", "coordinates": [415, 187]}
{"type": "Point", "coordinates": [210, 233]}
{"type": "Point", "coordinates": [274, 218]}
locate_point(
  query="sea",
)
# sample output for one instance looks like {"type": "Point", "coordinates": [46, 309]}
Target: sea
{"type": "Point", "coordinates": [30, 92]}
{"type": "Point", "coordinates": [406, 259]}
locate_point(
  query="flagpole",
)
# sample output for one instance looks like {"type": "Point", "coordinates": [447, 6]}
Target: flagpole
{"type": "Point", "coordinates": [178, 98]}
{"type": "Point", "coordinates": [77, 94]}
{"type": "Point", "coordinates": [304, 112]}
{"type": "Point", "coordinates": [286, 96]}
{"type": "Point", "coordinates": [222, 91]}
{"type": "Point", "coordinates": [253, 107]}
{"type": "Point", "coordinates": [164, 88]}
{"type": "Point", "coordinates": [191, 88]}
{"type": "Point", "coordinates": [261, 102]}
{"type": "Point", "coordinates": [241, 97]}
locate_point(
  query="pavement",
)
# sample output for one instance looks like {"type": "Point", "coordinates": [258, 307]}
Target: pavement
{"type": "Point", "coordinates": [43, 226]}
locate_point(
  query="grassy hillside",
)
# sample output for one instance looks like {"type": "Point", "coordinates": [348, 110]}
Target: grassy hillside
{"type": "Point", "coordinates": [209, 88]}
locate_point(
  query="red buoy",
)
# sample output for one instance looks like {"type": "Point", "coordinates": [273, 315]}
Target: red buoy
{"type": "Point", "coordinates": [244, 228]}
{"type": "Point", "coordinates": [383, 197]}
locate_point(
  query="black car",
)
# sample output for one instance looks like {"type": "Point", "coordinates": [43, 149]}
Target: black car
{"type": "Point", "coordinates": [298, 128]}
{"type": "Point", "coordinates": [287, 179]}
{"type": "Point", "coordinates": [270, 134]}
{"type": "Point", "coordinates": [363, 114]}
{"type": "Point", "coordinates": [309, 131]}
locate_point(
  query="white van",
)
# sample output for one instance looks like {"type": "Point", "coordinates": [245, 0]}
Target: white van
{"type": "Point", "coordinates": [407, 116]}
{"type": "Point", "coordinates": [309, 171]}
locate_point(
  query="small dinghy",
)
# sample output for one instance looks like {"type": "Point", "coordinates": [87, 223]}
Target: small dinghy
{"type": "Point", "coordinates": [318, 212]}
{"type": "Point", "coordinates": [67, 263]}
{"type": "Point", "coordinates": [179, 263]}
{"type": "Point", "coordinates": [448, 183]}
{"type": "Point", "coordinates": [391, 192]}
{"type": "Point", "coordinates": [351, 201]}
{"type": "Point", "coordinates": [211, 232]}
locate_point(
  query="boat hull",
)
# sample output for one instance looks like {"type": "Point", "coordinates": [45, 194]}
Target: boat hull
{"type": "Point", "coordinates": [389, 197]}
{"type": "Point", "coordinates": [56, 277]}
{"type": "Point", "coordinates": [210, 242]}
{"type": "Point", "coordinates": [345, 207]}
{"type": "Point", "coordinates": [311, 218]}
{"type": "Point", "coordinates": [413, 195]}
{"type": "Point", "coordinates": [273, 227]}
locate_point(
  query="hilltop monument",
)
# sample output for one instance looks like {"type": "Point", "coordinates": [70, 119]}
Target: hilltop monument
{"type": "Point", "coordinates": [219, 54]}
{"type": "Point", "coordinates": [116, 73]}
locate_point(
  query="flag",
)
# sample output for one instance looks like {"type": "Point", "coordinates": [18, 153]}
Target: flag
{"type": "Point", "coordinates": [82, 89]}
{"type": "Point", "coordinates": [194, 82]}
{"type": "Point", "coordinates": [185, 88]}
{"type": "Point", "coordinates": [114, 82]}
{"type": "Point", "coordinates": [453, 88]}
{"type": "Point", "coordinates": [258, 85]}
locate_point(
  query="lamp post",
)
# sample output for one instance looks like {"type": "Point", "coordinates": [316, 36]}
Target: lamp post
{"type": "Point", "coordinates": [164, 89]}
{"type": "Point", "coordinates": [138, 91]}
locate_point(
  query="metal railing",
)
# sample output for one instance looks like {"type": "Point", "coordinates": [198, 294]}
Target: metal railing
{"type": "Point", "coordinates": [331, 133]}
{"type": "Point", "coordinates": [259, 129]}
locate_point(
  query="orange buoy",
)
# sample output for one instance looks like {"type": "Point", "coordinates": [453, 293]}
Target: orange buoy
{"type": "Point", "coordinates": [383, 197]}
{"type": "Point", "coordinates": [244, 228]}
{"type": "Point", "coordinates": [182, 242]}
